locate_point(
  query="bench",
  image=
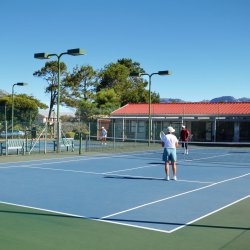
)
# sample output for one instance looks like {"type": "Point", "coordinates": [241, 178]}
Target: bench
{"type": "Point", "coordinates": [13, 144]}
{"type": "Point", "coordinates": [66, 142]}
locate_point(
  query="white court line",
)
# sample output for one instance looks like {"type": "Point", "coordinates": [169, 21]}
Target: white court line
{"type": "Point", "coordinates": [205, 158]}
{"type": "Point", "coordinates": [195, 181]}
{"type": "Point", "coordinates": [129, 169]}
{"type": "Point", "coordinates": [92, 158]}
{"type": "Point", "coordinates": [174, 196]}
{"type": "Point", "coordinates": [32, 166]}
{"type": "Point", "coordinates": [154, 178]}
{"type": "Point", "coordinates": [206, 215]}
{"type": "Point", "coordinates": [57, 162]}
{"type": "Point", "coordinates": [66, 170]}
{"type": "Point", "coordinates": [135, 226]}
{"type": "Point", "coordinates": [86, 157]}
{"type": "Point", "coordinates": [110, 173]}
{"type": "Point", "coordinates": [80, 158]}
{"type": "Point", "coordinates": [42, 209]}
{"type": "Point", "coordinates": [228, 163]}
{"type": "Point", "coordinates": [120, 223]}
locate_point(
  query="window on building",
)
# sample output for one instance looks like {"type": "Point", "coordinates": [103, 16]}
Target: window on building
{"type": "Point", "coordinates": [141, 127]}
{"type": "Point", "coordinates": [244, 132]}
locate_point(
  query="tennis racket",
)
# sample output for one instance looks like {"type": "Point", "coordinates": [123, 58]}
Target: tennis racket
{"type": "Point", "coordinates": [162, 135]}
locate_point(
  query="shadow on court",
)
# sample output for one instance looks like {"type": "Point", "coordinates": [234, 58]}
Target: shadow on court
{"type": "Point", "coordinates": [123, 220]}
{"type": "Point", "coordinates": [178, 224]}
{"type": "Point", "coordinates": [40, 214]}
{"type": "Point", "coordinates": [134, 178]}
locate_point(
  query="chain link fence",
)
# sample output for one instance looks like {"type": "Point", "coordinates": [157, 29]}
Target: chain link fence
{"type": "Point", "coordinates": [122, 134]}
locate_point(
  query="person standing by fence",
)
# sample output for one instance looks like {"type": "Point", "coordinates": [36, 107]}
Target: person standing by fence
{"type": "Point", "coordinates": [104, 136]}
{"type": "Point", "coordinates": [184, 136]}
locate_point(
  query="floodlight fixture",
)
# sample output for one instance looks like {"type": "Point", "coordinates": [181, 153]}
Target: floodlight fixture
{"type": "Point", "coordinates": [72, 52]}
{"type": "Point", "coordinates": [136, 74]}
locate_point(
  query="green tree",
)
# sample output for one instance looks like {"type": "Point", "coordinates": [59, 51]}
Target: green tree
{"type": "Point", "coordinates": [87, 110]}
{"type": "Point", "coordinates": [49, 73]}
{"type": "Point", "coordinates": [107, 100]}
{"type": "Point", "coordinates": [114, 76]}
{"type": "Point", "coordinates": [128, 89]}
{"type": "Point", "coordinates": [26, 108]}
{"type": "Point", "coordinates": [81, 84]}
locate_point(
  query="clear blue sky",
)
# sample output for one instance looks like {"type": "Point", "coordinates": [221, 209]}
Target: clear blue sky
{"type": "Point", "coordinates": [205, 43]}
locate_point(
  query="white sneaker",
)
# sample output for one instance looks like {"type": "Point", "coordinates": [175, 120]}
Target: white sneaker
{"type": "Point", "coordinates": [175, 178]}
{"type": "Point", "coordinates": [187, 152]}
{"type": "Point", "coordinates": [167, 178]}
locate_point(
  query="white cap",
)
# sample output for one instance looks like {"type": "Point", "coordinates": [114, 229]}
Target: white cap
{"type": "Point", "coordinates": [170, 129]}
{"type": "Point", "coordinates": [183, 126]}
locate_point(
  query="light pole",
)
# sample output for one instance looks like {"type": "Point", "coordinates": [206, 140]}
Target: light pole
{"type": "Point", "coordinates": [72, 52]}
{"type": "Point", "coordinates": [161, 73]}
{"type": "Point", "coordinates": [12, 110]}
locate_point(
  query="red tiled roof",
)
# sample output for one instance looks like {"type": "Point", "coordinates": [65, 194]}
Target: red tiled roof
{"type": "Point", "coordinates": [195, 108]}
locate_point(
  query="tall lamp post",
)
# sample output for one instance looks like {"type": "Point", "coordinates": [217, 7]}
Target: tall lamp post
{"type": "Point", "coordinates": [72, 52]}
{"type": "Point", "coordinates": [161, 73]}
{"type": "Point", "coordinates": [12, 110]}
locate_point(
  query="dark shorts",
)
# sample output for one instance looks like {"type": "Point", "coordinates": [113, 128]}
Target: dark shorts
{"type": "Point", "coordinates": [169, 154]}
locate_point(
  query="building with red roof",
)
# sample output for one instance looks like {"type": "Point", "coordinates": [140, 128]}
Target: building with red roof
{"type": "Point", "coordinates": [208, 122]}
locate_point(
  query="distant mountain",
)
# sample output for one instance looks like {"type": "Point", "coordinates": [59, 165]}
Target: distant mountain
{"type": "Point", "coordinates": [217, 99]}
{"type": "Point", "coordinates": [230, 99]}
{"type": "Point", "coordinates": [170, 100]}
{"type": "Point", "coordinates": [224, 99]}
{"type": "Point", "coordinates": [244, 99]}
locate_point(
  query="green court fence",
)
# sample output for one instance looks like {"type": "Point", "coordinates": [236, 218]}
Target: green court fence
{"type": "Point", "coordinates": [122, 133]}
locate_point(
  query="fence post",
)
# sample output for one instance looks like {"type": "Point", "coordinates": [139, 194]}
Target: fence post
{"type": "Point", "coordinates": [80, 143]}
{"type": "Point", "coordinates": [45, 138]}
{"type": "Point", "coordinates": [114, 135]}
{"type": "Point", "coordinates": [6, 137]}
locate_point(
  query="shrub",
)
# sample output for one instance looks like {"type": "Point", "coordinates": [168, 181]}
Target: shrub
{"type": "Point", "coordinates": [70, 134]}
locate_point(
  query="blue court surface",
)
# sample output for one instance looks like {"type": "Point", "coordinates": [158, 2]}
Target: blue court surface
{"type": "Point", "coordinates": [129, 188]}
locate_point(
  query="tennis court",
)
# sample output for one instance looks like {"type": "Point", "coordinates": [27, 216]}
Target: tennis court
{"type": "Point", "coordinates": [128, 190]}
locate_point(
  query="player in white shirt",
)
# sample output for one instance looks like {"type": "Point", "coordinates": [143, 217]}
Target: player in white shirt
{"type": "Point", "coordinates": [170, 144]}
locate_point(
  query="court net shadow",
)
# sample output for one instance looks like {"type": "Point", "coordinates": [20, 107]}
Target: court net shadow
{"type": "Point", "coordinates": [38, 214]}
{"type": "Point", "coordinates": [133, 177]}
{"type": "Point", "coordinates": [178, 224]}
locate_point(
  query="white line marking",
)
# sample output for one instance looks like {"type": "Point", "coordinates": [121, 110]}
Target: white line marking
{"type": "Point", "coordinates": [195, 181]}
{"type": "Point", "coordinates": [186, 224]}
{"type": "Point", "coordinates": [205, 158]}
{"type": "Point", "coordinates": [54, 162]}
{"type": "Point", "coordinates": [206, 215]}
{"type": "Point", "coordinates": [86, 157]}
{"type": "Point", "coordinates": [174, 196]}
{"type": "Point", "coordinates": [80, 158]}
{"type": "Point", "coordinates": [225, 163]}
{"type": "Point", "coordinates": [41, 209]}
{"type": "Point", "coordinates": [129, 169]}
{"type": "Point", "coordinates": [59, 169]}
{"type": "Point", "coordinates": [124, 224]}
{"type": "Point", "coordinates": [67, 170]}
{"type": "Point", "coordinates": [154, 178]}
{"type": "Point", "coordinates": [78, 216]}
